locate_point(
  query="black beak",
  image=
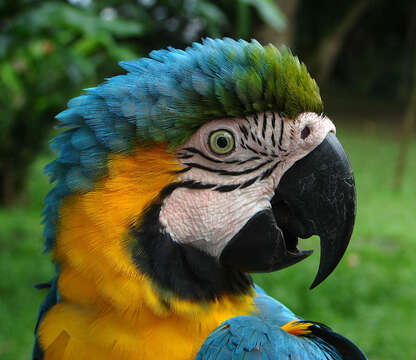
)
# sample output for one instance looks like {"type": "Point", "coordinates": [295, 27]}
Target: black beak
{"type": "Point", "coordinates": [316, 196]}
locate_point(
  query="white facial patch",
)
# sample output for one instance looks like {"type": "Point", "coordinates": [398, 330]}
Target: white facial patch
{"type": "Point", "coordinates": [237, 184]}
{"type": "Point", "coordinates": [208, 219]}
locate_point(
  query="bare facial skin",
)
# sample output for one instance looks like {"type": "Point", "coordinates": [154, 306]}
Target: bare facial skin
{"type": "Point", "coordinates": [243, 180]}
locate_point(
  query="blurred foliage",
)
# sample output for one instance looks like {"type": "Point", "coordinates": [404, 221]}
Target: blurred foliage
{"type": "Point", "coordinates": [50, 50]}
{"type": "Point", "coordinates": [377, 57]}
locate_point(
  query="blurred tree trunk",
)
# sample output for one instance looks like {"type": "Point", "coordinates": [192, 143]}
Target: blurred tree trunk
{"type": "Point", "coordinates": [407, 133]}
{"type": "Point", "coordinates": [13, 175]}
{"type": "Point", "coordinates": [10, 181]}
{"type": "Point", "coordinates": [7, 181]}
{"type": "Point", "coordinates": [409, 78]}
{"type": "Point", "coordinates": [267, 34]}
{"type": "Point", "coordinates": [20, 143]}
{"type": "Point", "coordinates": [409, 57]}
{"type": "Point", "coordinates": [243, 20]}
{"type": "Point", "coordinates": [331, 45]}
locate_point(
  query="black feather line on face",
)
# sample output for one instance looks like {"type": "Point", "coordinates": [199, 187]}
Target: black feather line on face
{"type": "Point", "coordinates": [196, 151]}
{"type": "Point", "coordinates": [227, 188]}
{"type": "Point", "coordinates": [269, 171]}
{"type": "Point", "coordinates": [180, 270]}
{"type": "Point", "coordinates": [231, 161]}
{"type": "Point", "coordinates": [248, 182]}
{"type": "Point", "coordinates": [200, 153]}
{"type": "Point", "coordinates": [256, 119]}
{"type": "Point", "coordinates": [282, 124]}
{"type": "Point", "coordinates": [185, 169]}
{"type": "Point", "coordinates": [248, 147]}
{"type": "Point", "coordinates": [185, 156]}
{"type": "Point", "coordinates": [253, 137]}
{"type": "Point", "coordinates": [244, 131]}
{"type": "Point", "coordinates": [226, 172]}
{"type": "Point", "coordinates": [248, 160]}
{"type": "Point", "coordinates": [263, 132]}
{"type": "Point", "coordinates": [192, 184]}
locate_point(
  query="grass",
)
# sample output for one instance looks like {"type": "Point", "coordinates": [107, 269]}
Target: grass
{"type": "Point", "coordinates": [369, 298]}
{"type": "Point", "coordinates": [21, 266]}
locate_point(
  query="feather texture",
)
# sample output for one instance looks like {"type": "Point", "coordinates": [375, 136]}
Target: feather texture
{"type": "Point", "coordinates": [165, 98]}
{"type": "Point", "coordinates": [260, 336]}
{"type": "Point", "coordinates": [119, 134]}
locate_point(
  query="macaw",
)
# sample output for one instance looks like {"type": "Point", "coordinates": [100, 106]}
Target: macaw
{"type": "Point", "coordinates": [175, 181]}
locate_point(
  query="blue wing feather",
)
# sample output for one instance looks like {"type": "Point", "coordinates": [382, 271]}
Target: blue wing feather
{"type": "Point", "coordinates": [250, 338]}
{"type": "Point", "coordinates": [259, 336]}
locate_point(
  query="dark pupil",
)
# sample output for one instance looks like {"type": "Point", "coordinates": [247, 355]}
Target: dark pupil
{"type": "Point", "coordinates": [222, 142]}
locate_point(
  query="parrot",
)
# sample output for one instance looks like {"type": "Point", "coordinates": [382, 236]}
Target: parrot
{"type": "Point", "coordinates": [175, 181]}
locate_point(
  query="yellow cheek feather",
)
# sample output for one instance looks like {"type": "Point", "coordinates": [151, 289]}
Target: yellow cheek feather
{"type": "Point", "coordinates": [108, 308]}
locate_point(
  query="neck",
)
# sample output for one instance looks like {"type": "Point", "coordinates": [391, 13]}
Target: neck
{"type": "Point", "coordinates": [96, 267]}
{"type": "Point", "coordinates": [179, 270]}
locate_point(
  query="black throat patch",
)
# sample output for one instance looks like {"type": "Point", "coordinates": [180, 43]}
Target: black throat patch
{"type": "Point", "coordinates": [180, 269]}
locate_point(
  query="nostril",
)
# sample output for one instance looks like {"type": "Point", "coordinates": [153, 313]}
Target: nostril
{"type": "Point", "coordinates": [305, 133]}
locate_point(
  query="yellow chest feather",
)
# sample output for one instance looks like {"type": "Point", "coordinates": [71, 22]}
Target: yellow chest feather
{"type": "Point", "coordinates": [72, 332]}
{"type": "Point", "coordinates": [108, 308]}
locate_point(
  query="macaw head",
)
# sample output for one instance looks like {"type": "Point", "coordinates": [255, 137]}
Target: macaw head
{"type": "Point", "coordinates": [252, 186]}
{"type": "Point", "coordinates": [231, 162]}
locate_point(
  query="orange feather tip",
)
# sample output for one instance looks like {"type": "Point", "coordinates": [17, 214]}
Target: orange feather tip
{"type": "Point", "coordinates": [297, 328]}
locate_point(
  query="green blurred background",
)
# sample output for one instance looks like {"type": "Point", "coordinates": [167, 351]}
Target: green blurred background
{"type": "Point", "coordinates": [363, 54]}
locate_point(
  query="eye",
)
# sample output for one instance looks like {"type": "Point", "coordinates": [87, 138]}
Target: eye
{"type": "Point", "coordinates": [221, 142]}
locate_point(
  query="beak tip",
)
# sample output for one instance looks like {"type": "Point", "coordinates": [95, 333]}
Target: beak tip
{"type": "Point", "coordinates": [321, 276]}
{"type": "Point", "coordinates": [318, 279]}
{"type": "Point", "coordinates": [330, 258]}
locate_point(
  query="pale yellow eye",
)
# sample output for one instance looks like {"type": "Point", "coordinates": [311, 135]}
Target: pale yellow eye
{"type": "Point", "coordinates": [221, 142]}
